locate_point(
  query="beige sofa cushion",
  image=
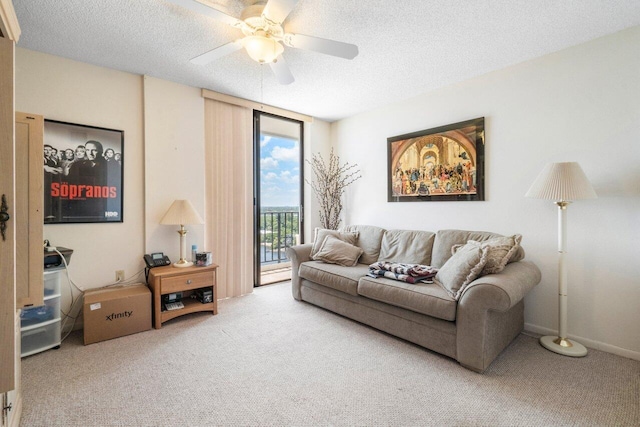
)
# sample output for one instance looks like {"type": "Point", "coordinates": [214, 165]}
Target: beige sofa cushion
{"type": "Point", "coordinates": [501, 249]}
{"type": "Point", "coordinates": [369, 239]}
{"type": "Point", "coordinates": [446, 239]}
{"type": "Point", "coordinates": [334, 276]}
{"type": "Point", "coordinates": [407, 246]}
{"type": "Point", "coordinates": [462, 268]}
{"type": "Point", "coordinates": [335, 251]}
{"type": "Point", "coordinates": [321, 234]}
{"type": "Point", "coordinates": [429, 299]}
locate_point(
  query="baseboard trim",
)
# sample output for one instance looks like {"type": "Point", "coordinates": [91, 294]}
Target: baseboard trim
{"type": "Point", "coordinates": [630, 354]}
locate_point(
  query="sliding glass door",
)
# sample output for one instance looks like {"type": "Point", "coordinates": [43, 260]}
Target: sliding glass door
{"type": "Point", "coordinates": [278, 211]}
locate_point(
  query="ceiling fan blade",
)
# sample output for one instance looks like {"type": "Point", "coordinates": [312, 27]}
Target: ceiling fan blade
{"type": "Point", "coordinates": [329, 47]}
{"type": "Point", "coordinates": [282, 71]}
{"type": "Point", "coordinates": [202, 9]}
{"type": "Point", "coordinates": [216, 53]}
{"type": "Point", "coordinates": [278, 10]}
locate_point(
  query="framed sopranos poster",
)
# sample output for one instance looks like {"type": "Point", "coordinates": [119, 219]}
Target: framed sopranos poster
{"type": "Point", "coordinates": [83, 173]}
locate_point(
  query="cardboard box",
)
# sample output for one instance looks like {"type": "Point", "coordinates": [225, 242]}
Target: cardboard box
{"type": "Point", "coordinates": [116, 311]}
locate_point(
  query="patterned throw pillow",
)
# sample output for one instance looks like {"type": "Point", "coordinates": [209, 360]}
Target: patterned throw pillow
{"type": "Point", "coordinates": [336, 251]}
{"type": "Point", "coordinates": [501, 249]}
{"type": "Point", "coordinates": [322, 233]}
{"type": "Point", "coordinates": [462, 268]}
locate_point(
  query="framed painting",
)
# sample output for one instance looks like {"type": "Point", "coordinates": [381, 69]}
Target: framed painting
{"type": "Point", "coordinates": [440, 164]}
{"type": "Point", "coordinates": [83, 173]}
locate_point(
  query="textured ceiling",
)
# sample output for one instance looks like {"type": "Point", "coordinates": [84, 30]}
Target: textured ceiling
{"type": "Point", "coordinates": [406, 47]}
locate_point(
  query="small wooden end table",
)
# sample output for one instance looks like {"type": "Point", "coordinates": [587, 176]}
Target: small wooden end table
{"type": "Point", "coordinates": [170, 279]}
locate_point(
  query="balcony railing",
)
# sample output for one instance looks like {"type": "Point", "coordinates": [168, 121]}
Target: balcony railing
{"type": "Point", "coordinates": [278, 231]}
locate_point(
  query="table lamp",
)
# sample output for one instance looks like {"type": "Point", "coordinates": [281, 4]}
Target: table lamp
{"type": "Point", "coordinates": [562, 182]}
{"type": "Point", "coordinates": [181, 212]}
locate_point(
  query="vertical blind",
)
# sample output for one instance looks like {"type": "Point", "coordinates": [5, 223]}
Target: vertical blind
{"type": "Point", "coordinates": [229, 195]}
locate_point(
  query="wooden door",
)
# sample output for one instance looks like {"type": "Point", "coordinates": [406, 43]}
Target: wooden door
{"type": "Point", "coordinates": [7, 243]}
{"type": "Point", "coordinates": [29, 176]}
{"type": "Point", "coordinates": [10, 396]}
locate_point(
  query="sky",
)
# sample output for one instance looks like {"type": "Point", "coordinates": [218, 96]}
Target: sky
{"type": "Point", "coordinates": [279, 171]}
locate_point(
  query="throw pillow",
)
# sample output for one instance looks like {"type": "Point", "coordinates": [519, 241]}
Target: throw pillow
{"type": "Point", "coordinates": [462, 268]}
{"type": "Point", "coordinates": [335, 251]}
{"type": "Point", "coordinates": [501, 249]}
{"type": "Point", "coordinates": [322, 233]}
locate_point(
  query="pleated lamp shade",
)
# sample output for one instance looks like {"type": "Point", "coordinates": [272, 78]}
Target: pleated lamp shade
{"type": "Point", "coordinates": [562, 182]}
{"type": "Point", "coordinates": [181, 212]}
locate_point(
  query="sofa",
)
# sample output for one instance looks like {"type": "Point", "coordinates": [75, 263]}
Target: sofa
{"type": "Point", "coordinates": [471, 324]}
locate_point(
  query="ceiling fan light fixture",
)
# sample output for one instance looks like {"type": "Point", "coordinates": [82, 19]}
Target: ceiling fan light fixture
{"type": "Point", "coordinates": [262, 49]}
{"type": "Point", "coordinates": [265, 38]}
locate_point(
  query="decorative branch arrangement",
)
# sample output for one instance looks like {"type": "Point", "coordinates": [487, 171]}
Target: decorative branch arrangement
{"type": "Point", "coordinates": [329, 185]}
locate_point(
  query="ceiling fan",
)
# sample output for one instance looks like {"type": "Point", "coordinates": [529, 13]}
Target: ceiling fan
{"type": "Point", "coordinates": [261, 24]}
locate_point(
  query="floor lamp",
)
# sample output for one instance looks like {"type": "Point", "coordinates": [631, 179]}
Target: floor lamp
{"type": "Point", "coordinates": [562, 182]}
{"type": "Point", "coordinates": [182, 212]}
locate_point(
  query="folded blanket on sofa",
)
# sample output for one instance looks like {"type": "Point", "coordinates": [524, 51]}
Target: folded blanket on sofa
{"type": "Point", "coordinates": [410, 273]}
{"type": "Point", "coordinates": [397, 276]}
{"type": "Point", "coordinates": [414, 270]}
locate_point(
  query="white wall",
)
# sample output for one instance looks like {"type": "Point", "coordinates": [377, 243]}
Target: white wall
{"type": "Point", "coordinates": [317, 140]}
{"type": "Point", "coordinates": [581, 104]}
{"type": "Point", "coordinates": [164, 157]}
{"type": "Point", "coordinates": [173, 162]}
{"type": "Point", "coordinates": [163, 125]}
{"type": "Point", "coordinates": [70, 91]}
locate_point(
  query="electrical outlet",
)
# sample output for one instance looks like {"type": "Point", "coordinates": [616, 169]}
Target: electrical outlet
{"type": "Point", "coordinates": [119, 275]}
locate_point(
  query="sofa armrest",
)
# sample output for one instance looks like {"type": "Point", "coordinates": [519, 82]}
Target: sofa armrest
{"type": "Point", "coordinates": [490, 313]}
{"type": "Point", "coordinates": [503, 290]}
{"type": "Point", "coordinates": [298, 254]}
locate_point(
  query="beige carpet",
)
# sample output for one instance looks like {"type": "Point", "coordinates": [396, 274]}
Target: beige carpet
{"type": "Point", "coordinates": [267, 359]}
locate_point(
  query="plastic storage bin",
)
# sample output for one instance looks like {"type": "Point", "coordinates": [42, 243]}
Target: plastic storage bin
{"type": "Point", "coordinates": [40, 326]}
{"type": "Point", "coordinates": [36, 315]}
{"type": "Point", "coordinates": [52, 282]}
{"type": "Point", "coordinates": [40, 338]}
